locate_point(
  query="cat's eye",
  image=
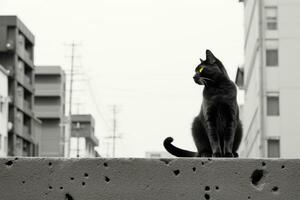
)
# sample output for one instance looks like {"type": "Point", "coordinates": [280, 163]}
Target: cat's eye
{"type": "Point", "coordinates": [201, 69]}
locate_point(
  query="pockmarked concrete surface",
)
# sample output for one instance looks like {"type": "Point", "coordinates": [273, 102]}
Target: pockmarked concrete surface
{"type": "Point", "coordinates": [149, 179]}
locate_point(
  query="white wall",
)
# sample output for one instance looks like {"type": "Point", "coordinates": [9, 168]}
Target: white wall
{"type": "Point", "coordinates": [3, 112]}
{"type": "Point", "coordinates": [86, 150]}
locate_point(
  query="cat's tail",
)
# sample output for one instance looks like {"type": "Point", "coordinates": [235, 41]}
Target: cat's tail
{"type": "Point", "coordinates": [177, 151]}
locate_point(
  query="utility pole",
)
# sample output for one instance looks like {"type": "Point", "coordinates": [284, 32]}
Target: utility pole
{"type": "Point", "coordinates": [107, 149]}
{"type": "Point", "coordinates": [73, 45]}
{"type": "Point", "coordinates": [114, 136]}
{"type": "Point", "coordinates": [114, 129]}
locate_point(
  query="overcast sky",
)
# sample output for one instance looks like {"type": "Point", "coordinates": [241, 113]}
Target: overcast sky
{"type": "Point", "coordinates": [137, 54]}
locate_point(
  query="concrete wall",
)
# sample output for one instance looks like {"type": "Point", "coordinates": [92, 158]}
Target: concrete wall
{"type": "Point", "coordinates": [176, 179]}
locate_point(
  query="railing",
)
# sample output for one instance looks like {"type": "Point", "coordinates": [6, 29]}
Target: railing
{"type": "Point", "coordinates": [48, 111]}
{"type": "Point", "coordinates": [149, 179]}
{"type": "Point", "coordinates": [50, 89]}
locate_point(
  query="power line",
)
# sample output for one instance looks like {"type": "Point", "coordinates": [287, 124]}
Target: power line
{"type": "Point", "coordinates": [94, 100]}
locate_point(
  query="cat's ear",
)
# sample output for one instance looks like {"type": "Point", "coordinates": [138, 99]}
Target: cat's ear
{"type": "Point", "coordinates": [210, 57]}
{"type": "Point", "coordinates": [201, 60]}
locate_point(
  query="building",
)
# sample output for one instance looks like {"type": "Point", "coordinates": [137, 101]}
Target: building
{"type": "Point", "coordinates": [158, 154]}
{"type": "Point", "coordinates": [17, 56]}
{"type": "Point", "coordinates": [83, 140]}
{"type": "Point", "coordinates": [50, 84]}
{"type": "Point", "coordinates": [270, 78]}
{"type": "Point", "coordinates": [4, 101]}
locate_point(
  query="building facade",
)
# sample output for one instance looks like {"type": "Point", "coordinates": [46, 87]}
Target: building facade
{"type": "Point", "coordinates": [50, 91]}
{"type": "Point", "coordinates": [158, 154]}
{"type": "Point", "coordinates": [270, 79]}
{"type": "Point", "coordinates": [4, 101]}
{"type": "Point", "coordinates": [17, 56]}
{"type": "Point", "coordinates": [83, 140]}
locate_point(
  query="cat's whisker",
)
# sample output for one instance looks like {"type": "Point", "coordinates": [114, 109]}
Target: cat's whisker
{"type": "Point", "coordinates": [208, 79]}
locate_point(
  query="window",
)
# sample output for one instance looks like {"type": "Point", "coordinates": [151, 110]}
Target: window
{"type": "Point", "coordinates": [1, 103]}
{"type": "Point", "coordinates": [272, 57]}
{"type": "Point", "coordinates": [273, 105]}
{"type": "Point", "coordinates": [271, 18]}
{"type": "Point", "coordinates": [155, 155]}
{"type": "Point", "coordinates": [273, 148]}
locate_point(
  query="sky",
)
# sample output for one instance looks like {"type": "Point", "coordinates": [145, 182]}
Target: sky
{"type": "Point", "coordinates": [137, 55]}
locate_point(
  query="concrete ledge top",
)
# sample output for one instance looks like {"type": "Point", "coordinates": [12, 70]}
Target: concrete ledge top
{"type": "Point", "coordinates": [132, 178]}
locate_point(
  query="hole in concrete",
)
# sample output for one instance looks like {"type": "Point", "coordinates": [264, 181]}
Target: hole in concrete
{"type": "Point", "coordinates": [107, 179]}
{"type": "Point", "coordinates": [202, 163]}
{"type": "Point", "coordinates": [263, 164]}
{"type": "Point", "coordinates": [282, 166]}
{"type": "Point", "coordinates": [61, 188]}
{"type": "Point", "coordinates": [16, 158]}
{"type": "Point", "coordinates": [217, 187]}
{"type": "Point", "coordinates": [68, 197]}
{"type": "Point", "coordinates": [83, 183]}
{"type": "Point", "coordinates": [275, 189]}
{"type": "Point", "coordinates": [166, 161]}
{"type": "Point", "coordinates": [9, 163]}
{"type": "Point", "coordinates": [194, 169]}
{"type": "Point", "coordinates": [50, 187]}
{"type": "Point", "coordinates": [86, 174]}
{"type": "Point", "coordinates": [176, 172]}
{"type": "Point", "coordinates": [206, 196]}
{"type": "Point", "coordinates": [207, 188]}
{"type": "Point", "coordinates": [23, 182]}
{"type": "Point", "coordinates": [105, 164]}
{"type": "Point", "coordinates": [257, 176]}
{"type": "Point", "coordinates": [50, 164]}
{"type": "Point", "coordinates": [249, 197]}
{"type": "Point", "coordinates": [72, 178]}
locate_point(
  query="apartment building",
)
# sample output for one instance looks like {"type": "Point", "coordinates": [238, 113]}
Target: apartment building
{"type": "Point", "coordinates": [4, 101]}
{"type": "Point", "coordinates": [83, 140]}
{"type": "Point", "coordinates": [158, 154]}
{"type": "Point", "coordinates": [17, 56]}
{"type": "Point", "coordinates": [50, 91]}
{"type": "Point", "coordinates": [270, 78]}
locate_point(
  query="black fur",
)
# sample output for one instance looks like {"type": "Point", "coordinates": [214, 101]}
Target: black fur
{"type": "Point", "coordinates": [217, 130]}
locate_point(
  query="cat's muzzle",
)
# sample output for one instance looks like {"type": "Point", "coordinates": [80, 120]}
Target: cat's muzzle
{"type": "Point", "coordinates": [198, 80]}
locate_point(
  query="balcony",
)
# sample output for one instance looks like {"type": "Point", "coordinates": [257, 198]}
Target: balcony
{"type": "Point", "coordinates": [48, 111]}
{"type": "Point", "coordinates": [27, 107]}
{"type": "Point", "coordinates": [149, 179]}
{"type": "Point", "coordinates": [48, 89]}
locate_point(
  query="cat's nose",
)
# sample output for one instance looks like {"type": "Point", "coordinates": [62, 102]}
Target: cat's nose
{"type": "Point", "coordinates": [195, 77]}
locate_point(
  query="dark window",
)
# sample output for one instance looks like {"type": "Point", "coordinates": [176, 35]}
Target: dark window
{"type": "Point", "coordinates": [273, 105]}
{"type": "Point", "coordinates": [273, 148]}
{"type": "Point", "coordinates": [271, 18]}
{"type": "Point", "coordinates": [272, 57]}
{"type": "Point", "coordinates": [271, 25]}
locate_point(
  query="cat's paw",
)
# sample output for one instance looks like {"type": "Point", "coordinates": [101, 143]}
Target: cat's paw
{"type": "Point", "coordinates": [228, 155]}
{"type": "Point", "coordinates": [217, 155]}
{"type": "Point", "coordinates": [236, 155]}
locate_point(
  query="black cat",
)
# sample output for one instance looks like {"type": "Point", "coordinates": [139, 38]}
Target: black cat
{"type": "Point", "coordinates": [217, 130]}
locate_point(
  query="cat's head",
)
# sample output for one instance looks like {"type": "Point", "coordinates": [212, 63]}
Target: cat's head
{"type": "Point", "coordinates": [209, 70]}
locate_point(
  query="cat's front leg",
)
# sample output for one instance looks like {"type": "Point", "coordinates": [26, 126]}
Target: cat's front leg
{"type": "Point", "coordinates": [214, 141]}
{"type": "Point", "coordinates": [228, 140]}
